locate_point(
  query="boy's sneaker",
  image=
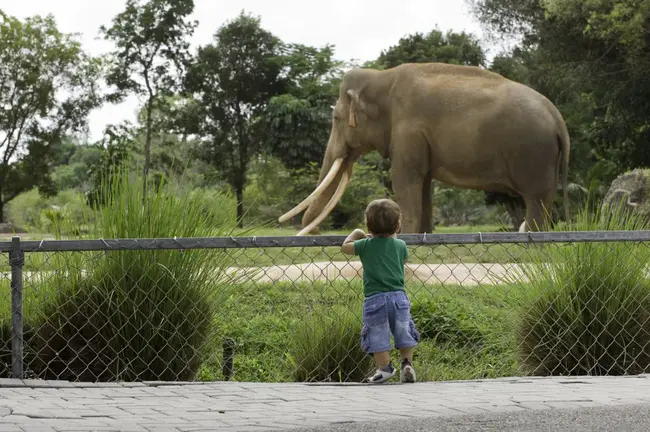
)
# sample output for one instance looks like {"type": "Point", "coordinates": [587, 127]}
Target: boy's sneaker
{"type": "Point", "coordinates": [382, 375]}
{"type": "Point", "coordinates": [407, 374]}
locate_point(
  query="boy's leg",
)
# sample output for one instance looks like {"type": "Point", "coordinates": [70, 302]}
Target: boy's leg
{"type": "Point", "coordinates": [404, 333]}
{"type": "Point", "coordinates": [407, 371]}
{"type": "Point", "coordinates": [406, 354]}
{"type": "Point", "coordinates": [375, 337]}
{"type": "Point", "coordinates": [382, 359]}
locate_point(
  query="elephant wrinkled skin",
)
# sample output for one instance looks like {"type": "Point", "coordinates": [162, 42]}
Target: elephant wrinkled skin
{"type": "Point", "coordinates": [460, 125]}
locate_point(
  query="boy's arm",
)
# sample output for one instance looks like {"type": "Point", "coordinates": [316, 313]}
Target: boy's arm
{"type": "Point", "coordinates": [348, 243]}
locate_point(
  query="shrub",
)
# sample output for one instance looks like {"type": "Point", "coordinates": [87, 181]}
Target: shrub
{"type": "Point", "coordinates": [588, 304]}
{"type": "Point", "coordinates": [134, 315]}
{"type": "Point", "coordinates": [25, 210]}
{"type": "Point", "coordinates": [266, 192]}
{"type": "Point", "coordinates": [445, 322]}
{"type": "Point", "coordinates": [325, 346]}
{"type": "Point", "coordinates": [41, 214]}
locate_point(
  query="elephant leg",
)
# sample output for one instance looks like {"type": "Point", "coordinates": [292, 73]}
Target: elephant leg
{"type": "Point", "coordinates": [408, 194]}
{"type": "Point", "coordinates": [426, 221]}
{"type": "Point", "coordinates": [538, 212]}
{"type": "Point", "coordinates": [410, 168]}
{"type": "Point", "coordinates": [408, 185]}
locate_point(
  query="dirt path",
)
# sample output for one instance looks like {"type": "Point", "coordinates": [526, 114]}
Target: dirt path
{"type": "Point", "coordinates": [454, 274]}
{"type": "Point", "coordinates": [470, 274]}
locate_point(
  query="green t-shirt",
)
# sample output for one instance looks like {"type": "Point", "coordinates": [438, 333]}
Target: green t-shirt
{"type": "Point", "coordinates": [383, 261]}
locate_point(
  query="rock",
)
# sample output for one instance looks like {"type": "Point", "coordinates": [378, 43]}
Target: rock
{"type": "Point", "coordinates": [632, 189]}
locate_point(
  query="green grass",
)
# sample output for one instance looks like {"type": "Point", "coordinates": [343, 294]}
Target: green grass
{"type": "Point", "coordinates": [267, 320]}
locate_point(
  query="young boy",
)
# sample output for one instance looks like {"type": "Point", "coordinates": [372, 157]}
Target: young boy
{"type": "Point", "coordinates": [386, 308]}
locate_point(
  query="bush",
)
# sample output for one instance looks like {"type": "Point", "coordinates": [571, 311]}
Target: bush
{"type": "Point", "coordinates": [326, 347]}
{"type": "Point", "coordinates": [25, 210]}
{"type": "Point", "coordinates": [266, 192]}
{"type": "Point", "coordinates": [443, 321]}
{"type": "Point", "coordinates": [41, 214]}
{"type": "Point", "coordinates": [134, 315]}
{"type": "Point", "coordinates": [588, 306]}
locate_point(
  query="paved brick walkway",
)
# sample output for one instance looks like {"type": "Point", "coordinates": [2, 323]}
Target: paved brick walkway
{"type": "Point", "coordinates": [61, 406]}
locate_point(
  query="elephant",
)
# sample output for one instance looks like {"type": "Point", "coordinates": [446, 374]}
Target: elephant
{"type": "Point", "coordinates": [460, 125]}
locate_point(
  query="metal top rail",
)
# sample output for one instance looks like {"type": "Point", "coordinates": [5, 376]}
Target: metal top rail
{"type": "Point", "coordinates": [316, 241]}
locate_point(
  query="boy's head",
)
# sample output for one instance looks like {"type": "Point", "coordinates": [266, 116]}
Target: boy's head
{"type": "Point", "coordinates": [383, 217]}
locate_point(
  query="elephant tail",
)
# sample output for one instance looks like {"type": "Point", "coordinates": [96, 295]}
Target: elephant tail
{"type": "Point", "coordinates": [564, 144]}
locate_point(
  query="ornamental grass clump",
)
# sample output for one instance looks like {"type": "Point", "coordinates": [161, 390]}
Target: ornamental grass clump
{"type": "Point", "coordinates": [587, 307]}
{"type": "Point", "coordinates": [137, 314]}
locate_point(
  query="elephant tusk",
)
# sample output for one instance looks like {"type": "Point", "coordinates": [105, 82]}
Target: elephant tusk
{"type": "Point", "coordinates": [316, 193]}
{"type": "Point", "coordinates": [345, 178]}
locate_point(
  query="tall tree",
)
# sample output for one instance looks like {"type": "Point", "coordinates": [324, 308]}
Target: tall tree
{"type": "Point", "coordinates": [152, 52]}
{"type": "Point", "coordinates": [232, 81]}
{"type": "Point", "coordinates": [47, 88]}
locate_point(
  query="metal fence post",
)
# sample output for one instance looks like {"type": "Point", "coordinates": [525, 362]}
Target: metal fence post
{"type": "Point", "coordinates": [228, 354]}
{"type": "Point", "coordinates": [17, 260]}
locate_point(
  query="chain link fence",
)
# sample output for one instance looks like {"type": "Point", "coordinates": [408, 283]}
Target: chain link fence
{"type": "Point", "coordinates": [275, 309]}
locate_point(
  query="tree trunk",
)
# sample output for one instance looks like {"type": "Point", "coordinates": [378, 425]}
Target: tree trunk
{"type": "Point", "coordinates": [240, 206]}
{"type": "Point", "coordinates": [147, 149]}
{"type": "Point", "coordinates": [2, 211]}
{"type": "Point", "coordinates": [241, 175]}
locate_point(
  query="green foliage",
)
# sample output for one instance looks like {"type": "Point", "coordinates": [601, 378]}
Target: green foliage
{"type": "Point", "coordinates": [297, 123]}
{"type": "Point", "coordinates": [75, 171]}
{"type": "Point", "coordinates": [458, 206]}
{"type": "Point", "coordinates": [232, 81]}
{"type": "Point", "coordinates": [151, 40]}
{"type": "Point", "coordinates": [454, 48]}
{"type": "Point", "coordinates": [38, 65]}
{"type": "Point", "coordinates": [135, 315]}
{"type": "Point", "coordinates": [587, 305]}
{"type": "Point", "coordinates": [444, 321]}
{"type": "Point", "coordinates": [324, 346]}
{"type": "Point", "coordinates": [26, 209]}
{"type": "Point", "coordinates": [152, 52]}
{"type": "Point", "coordinates": [266, 193]}
{"type": "Point", "coordinates": [118, 145]}
{"type": "Point", "coordinates": [31, 210]}
{"type": "Point", "coordinates": [298, 130]}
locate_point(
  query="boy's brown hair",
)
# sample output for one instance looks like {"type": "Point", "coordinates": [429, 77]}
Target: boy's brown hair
{"type": "Point", "coordinates": [383, 217]}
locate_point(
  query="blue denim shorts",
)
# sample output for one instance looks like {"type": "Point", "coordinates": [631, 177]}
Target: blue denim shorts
{"type": "Point", "coordinates": [387, 313]}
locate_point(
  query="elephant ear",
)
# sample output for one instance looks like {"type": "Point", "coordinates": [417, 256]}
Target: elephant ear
{"type": "Point", "coordinates": [354, 101]}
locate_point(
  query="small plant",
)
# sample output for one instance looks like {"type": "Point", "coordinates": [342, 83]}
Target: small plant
{"type": "Point", "coordinates": [326, 347]}
{"type": "Point", "coordinates": [588, 304]}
